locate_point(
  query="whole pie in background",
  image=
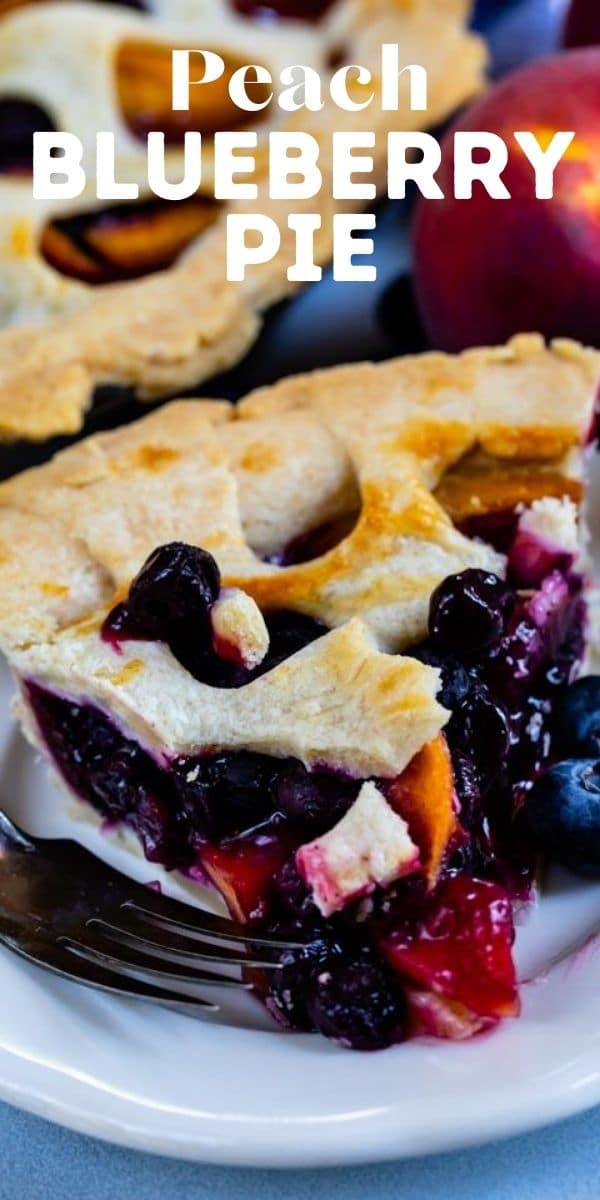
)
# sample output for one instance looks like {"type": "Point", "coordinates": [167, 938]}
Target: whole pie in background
{"type": "Point", "coordinates": [134, 294]}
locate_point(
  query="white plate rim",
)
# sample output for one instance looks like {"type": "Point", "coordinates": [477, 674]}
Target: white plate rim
{"type": "Point", "coordinates": [295, 1145]}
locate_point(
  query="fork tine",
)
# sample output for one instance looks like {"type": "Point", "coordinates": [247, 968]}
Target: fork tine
{"type": "Point", "coordinates": [141, 962]}
{"type": "Point", "coordinates": [171, 944]}
{"type": "Point", "coordinates": [54, 958]}
{"type": "Point", "coordinates": [169, 913]}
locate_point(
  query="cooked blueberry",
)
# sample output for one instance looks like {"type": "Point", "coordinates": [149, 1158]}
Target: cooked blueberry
{"type": "Point", "coordinates": [226, 794]}
{"type": "Point", "coordinates": [480, 728]}
{"type": "Point", "coordinates": [468, 789]}
{"type": "Point", "coordinates": [357, 1003]}
{"type": "Point", "coordinates": [530, 740]}
{"type": "Point", "coordinates": [317, 799]}
{"type": "Point", "coordinates": [176, 588]}
{"type": "Point", "coordinates": [289, 632]}
{"type": "Point", "coordinates": [468, 611]}
{"type": "Point", "coordinates": [292, 983]}
{"type": "Point", "coordinates": [402, 903]}
{"type": "Point", "coordinates": [112, 780]}
{"type": "Point", "coordinates": [193, 649]}
{"type": "Point", "coordinates": [294, 897]}
{"type": "Point", "coordinates": [563, 813]}
{"type": "Point", "coordinates": [578, 718]}
{"type": "Point", "coordinates": [287, 10]}
{"type": "Point", "coordinates": [112, 772]}
{"type": "Point", "coordinates": [170, 600]}
{"type": "Point", "coordinates": [516, 660]}
{"type": "Point", "coordinates": [455, 677]}
{"type": "Point", "coordinates": [498, 528]}
{"type": "Point", "coordinates": [243, 789]}
{"type": "Point", "coordinates": [151, 819]}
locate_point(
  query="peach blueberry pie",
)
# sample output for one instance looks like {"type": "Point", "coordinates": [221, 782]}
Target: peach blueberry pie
{"type": "Point", "coordinates": [319, 653]}
{"type": "Point", "coordinates": [134, 293]}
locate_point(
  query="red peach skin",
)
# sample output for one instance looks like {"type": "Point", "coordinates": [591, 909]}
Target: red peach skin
{"type": "Point", "coordinates": [486, 269]}
{"type": "Point", "coordinates": [462, 949]}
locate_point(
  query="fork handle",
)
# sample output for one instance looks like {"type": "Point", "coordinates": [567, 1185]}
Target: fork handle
{"type": "Point", "coordinates": [11, 837]}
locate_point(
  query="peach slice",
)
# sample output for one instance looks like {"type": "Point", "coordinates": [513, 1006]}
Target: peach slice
{"type": "Point", "coordinates": [60, 252]}
{"type": "Point", "coordinates": [243, 871]}
{"type": "Point", "coordinates": [472, 489]}
{"type": "Point", "coordinates": [125, 243]}
{"type": "Point", "coordinates": [144, 80]}
{"type": "Point", "coordinates": [461, 951]}
{"type": "Point", "coordinates": [153, 239]}
{"type": "Point", "coordinates": [424, 796]}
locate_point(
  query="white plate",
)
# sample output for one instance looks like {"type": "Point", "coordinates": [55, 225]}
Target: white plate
{"type": "Point", "coordinates": [244, 1094]}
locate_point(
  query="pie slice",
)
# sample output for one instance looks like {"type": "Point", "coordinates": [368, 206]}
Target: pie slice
{"type": "Point", "coordinates": [311, 651]}
{"type": "Point", "coordinates": [133, 294]}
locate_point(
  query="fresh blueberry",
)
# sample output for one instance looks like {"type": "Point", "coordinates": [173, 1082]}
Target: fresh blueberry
{"type": "Point", "coordinates": [175, 589]}
{"type": "Point", "coordinates": [562, 811]}
{"type": "Point", "coordinates": [468, 611]}
{"type": "Point", "coordinates": [578, 718]}
{"type": "Point", "coordinates": [357, 1003]}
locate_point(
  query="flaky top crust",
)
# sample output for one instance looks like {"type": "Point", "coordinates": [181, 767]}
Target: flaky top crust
{"type": "Point", "coordinates": [174, 329]}
{"type": "Point", "coordinates": [337, 703]}
{"type": "Point", "coordinates": [377, 445]}
{"type": "Point", "coordinates": [379, 442]}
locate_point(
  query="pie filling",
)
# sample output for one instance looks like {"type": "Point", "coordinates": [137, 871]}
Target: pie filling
{"type": "Point", "coordinates": [286, 10]}
{"type": "Point", "coordinates": [399, 938]}
{"type": "Point", "coordinates": [297, 10]}
{"type": "Point", "coordinates": [7, 6]}
{"type": "Point", "coordinates": [19, 120]}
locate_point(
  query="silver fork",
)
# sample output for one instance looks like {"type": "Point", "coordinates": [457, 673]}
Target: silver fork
{"type": "Point", "coordinates": [64, 909]}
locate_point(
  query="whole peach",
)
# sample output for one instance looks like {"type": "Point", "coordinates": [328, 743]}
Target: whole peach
{"type": "Point", "coordinates": [487, 268]}
{"type": "Point", "coordinates": [582, 27]}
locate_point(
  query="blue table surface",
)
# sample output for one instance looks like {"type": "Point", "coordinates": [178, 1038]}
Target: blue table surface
{"type": "Point", "coordinates": [39, 1161]}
